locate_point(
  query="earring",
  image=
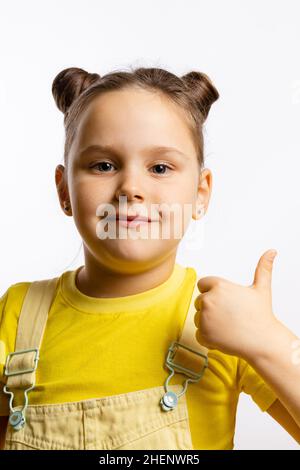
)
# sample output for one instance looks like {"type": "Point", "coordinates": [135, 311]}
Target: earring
{"type": "Point", "coordinates": [66, 207]}
{"type": "Point", "coordinates": [200, 211]}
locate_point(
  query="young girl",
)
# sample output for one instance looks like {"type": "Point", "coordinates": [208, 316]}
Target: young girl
{"type": "Point", "coordinates": [93, 364]}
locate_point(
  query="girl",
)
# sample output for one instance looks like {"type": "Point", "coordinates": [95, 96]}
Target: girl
{"type": "Point", "coordinates": [91, 345]}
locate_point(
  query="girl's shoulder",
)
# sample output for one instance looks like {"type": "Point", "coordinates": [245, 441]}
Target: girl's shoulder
{"type": "Point", "coordinates": [14, 293]}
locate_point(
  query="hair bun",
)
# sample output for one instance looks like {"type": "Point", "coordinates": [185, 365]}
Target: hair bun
{"type": "Point", "coordinates": [201, 90]}
{"type": "Point", "coordinates": [69, 84]}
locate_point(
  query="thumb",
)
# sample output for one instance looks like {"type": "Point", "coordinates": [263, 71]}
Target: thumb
{"type": "Point", "coordinates": [263, 272]}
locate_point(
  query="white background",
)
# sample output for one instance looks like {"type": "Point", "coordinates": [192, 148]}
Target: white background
{"type": "Point", "coordinates": [250, 50]}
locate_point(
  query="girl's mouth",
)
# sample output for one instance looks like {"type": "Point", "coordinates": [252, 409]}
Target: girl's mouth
{"type": "Point", "coordinates": [126, 220]}
{"type": "Point", "coordinates": [132, 222]}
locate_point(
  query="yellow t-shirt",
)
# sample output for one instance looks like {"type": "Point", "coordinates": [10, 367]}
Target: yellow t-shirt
{"type": "Point", "coordinates": [95, 347]}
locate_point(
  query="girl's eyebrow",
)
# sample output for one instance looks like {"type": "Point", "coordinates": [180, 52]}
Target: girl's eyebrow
{"type": "Point", "coordinates": [150, 150]}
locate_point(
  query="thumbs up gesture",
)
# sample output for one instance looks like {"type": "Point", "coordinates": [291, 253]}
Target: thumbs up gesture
{"type": "Point", "coordinates": [233, 318]}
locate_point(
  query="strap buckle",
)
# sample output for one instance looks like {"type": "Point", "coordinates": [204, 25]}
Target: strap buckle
{"type": "Point", "coordinates": [17, 418]}
{"type": "Point", "coordinates": [195, 376]}
{"type": "Point", "coordinates": [25, 371]}
{"type": "Point", "coordinates": [170, 399]}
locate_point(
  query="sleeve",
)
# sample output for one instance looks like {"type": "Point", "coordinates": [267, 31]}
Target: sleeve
{"type": "Point", "coordinates": [250, 382]}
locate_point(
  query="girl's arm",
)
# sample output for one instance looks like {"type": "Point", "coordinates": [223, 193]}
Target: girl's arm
{"type": "Point", "coordinates": [283, 417]}
{"type": "Point", "coordinates": [277, 361]}
{"type": "Point", "coordinates": [239, 320]}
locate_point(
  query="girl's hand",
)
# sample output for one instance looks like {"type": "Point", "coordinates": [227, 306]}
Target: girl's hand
{"type": "Point", "coordinates": [233, 318]}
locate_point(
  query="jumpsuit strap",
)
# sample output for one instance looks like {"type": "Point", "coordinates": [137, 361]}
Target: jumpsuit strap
{"type": "Point", "coordinates": [188, 335]}
{"type": "Point", "coordinates": [191, 356]}
{"type": "Point", "coordinates": [21, 364]}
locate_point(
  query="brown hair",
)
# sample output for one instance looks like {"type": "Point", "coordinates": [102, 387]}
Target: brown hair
{"type": "Point", "coordinates": [74, 88]}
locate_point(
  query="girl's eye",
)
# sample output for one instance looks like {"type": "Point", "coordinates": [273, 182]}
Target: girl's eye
{"type": "Point", "coordinates": [102, 163]}
{"type": "Point", "coordinates": [160, 165]}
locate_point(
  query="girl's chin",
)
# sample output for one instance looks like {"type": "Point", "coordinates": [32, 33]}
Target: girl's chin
{"type": "Point", "coordinates": [134, 250]}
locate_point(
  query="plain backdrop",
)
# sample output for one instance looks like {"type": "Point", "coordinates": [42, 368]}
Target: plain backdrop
{"type": "Point", "coordinates": [250, 50]}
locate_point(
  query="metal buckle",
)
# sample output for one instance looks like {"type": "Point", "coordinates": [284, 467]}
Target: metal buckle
{"type": "Point", "coordinates": [170, 399]}
{"type": "Point", "coordinates": [25, 371]}
{"type": "Point", "coordinates": [190, 373]}
{"type": "Point", "coordinates": [17, 418]}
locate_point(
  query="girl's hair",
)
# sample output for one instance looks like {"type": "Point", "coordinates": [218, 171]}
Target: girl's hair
{"type": "Point", "coordinates": [74, 88]}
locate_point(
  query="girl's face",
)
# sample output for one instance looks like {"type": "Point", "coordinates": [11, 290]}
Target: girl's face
{"type": "Point", "coordinates": [149, 180]}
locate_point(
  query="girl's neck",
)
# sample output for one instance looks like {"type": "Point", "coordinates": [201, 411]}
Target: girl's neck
{"type": "Point", "coordinates": [96, 280]}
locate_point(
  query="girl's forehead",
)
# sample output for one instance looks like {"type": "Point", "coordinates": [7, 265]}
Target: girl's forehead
{"type": "Point", "coordinates": [130, 114]}
{"type": "Point", "coordinates": [133, 104]}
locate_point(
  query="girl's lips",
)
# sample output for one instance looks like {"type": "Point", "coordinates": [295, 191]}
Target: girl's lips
{"type": "Point", "coordinates": [132, 217]}
{"type": "Point", "coordinates": [131, 220]}
{"type": "Point", "coordinates": [132, 223]}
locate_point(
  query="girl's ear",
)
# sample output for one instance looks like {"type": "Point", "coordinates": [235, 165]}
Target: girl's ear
{"type": "Point", "coordinates": [62, 187]}
{"type": "Point", "coordinates": [204, 193]}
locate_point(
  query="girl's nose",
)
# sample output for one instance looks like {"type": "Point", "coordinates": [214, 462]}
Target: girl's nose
{"type": "Point", "coordinates": [130, 188]}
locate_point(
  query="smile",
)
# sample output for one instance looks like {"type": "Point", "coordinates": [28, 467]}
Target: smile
{"type": "Point", "coordinates": [132, 223]}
